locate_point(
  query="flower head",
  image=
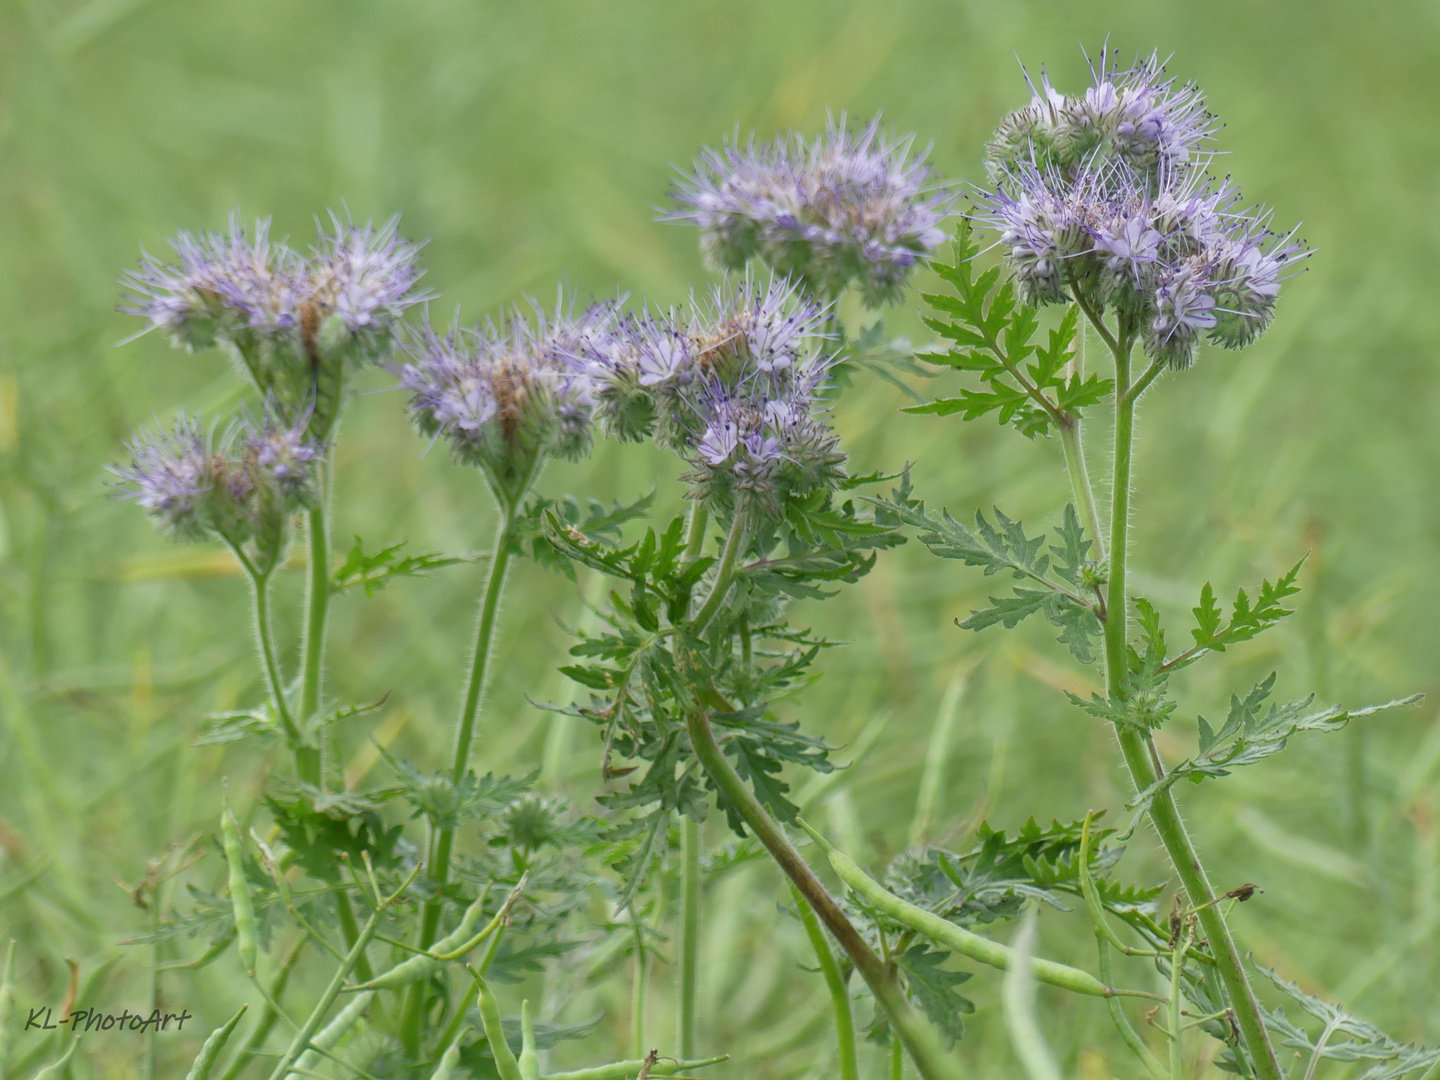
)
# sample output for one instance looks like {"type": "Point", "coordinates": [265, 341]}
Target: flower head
{"type": "Point", "coordinates": [1136, 115]}
{"type": "Point", "coordinates": [246, 486]}
{"type": "Point", "coordinates": [294, 323]}
{"type": "Point", "coordinates": [506, 398]}
{"type": "Point", "coordinates": [733, 385]}
{"type": "Point", "coordinates": [848, 208]}
{"type": "Point", "coordinates": [1105, 196]}
{"type": "Point", "coordinates": [171, 476]}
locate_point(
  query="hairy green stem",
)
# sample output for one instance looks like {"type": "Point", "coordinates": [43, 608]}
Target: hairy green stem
{"type": "Point", "coordinates": [1128, 1035]}
{"type": "Point", "coordinates": [695, 530]}
{"type": "Point", "coordinates": [1070, 439]}
{"type": "Point", "coordinates": [735, 542]}
{"type": "Point", "coordinates": [689, 933]}
{"type": "Point", "coordinates": [642, 979]}
{"type": "Point", "coordinates": [312, 655]}
{"type": "Point", "coordinates": [689, 856]}
{"type": "Point", "coordinates": [920, 1038]}
{"type": "Point", "coordinates": [1136, 746]}
{"type": "Point", "coordinates": [439, 871]}
{"type": "Point", "coordinates": [836, 984]}
{"type": "Point", "coordinates": [350, 930]}
{"type": "Point", "coordinates": [1177, 1045]}
{"type": "Point", "coordinates": [260, 595]}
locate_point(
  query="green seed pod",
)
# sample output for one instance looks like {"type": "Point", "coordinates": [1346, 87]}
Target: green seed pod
{"type": "Point", "coordinates": [211, 953]}
{"type": "Point", "coordinates": [624, 1070]}
{"type": "Point", "coordinates": [953, 937]}
{"type": "Point", "coordinates": [210, 1052]}
{"type": "Point", "coordinates": [56, 1069]}
{"type": "Point", "coordinates": [239, 891]}
{"type": "Point", "coordinates": [505, 1061]}
{"type": "Point", "coordinates": [7, 1008]}
{"type": "Point", "coordinates": [448, 1060]}
{"type": "Point", "coordinates": [451, 947]}
{"type": "Point", "coordinates": [328, 1037]}
{"type": "Point", "coordinates": [529, 1060]}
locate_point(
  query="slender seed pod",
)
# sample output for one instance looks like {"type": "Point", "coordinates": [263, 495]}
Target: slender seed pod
{"type": "Point", "coordinates": [7, 1008]}
{"type": "Point", "coordinates": [452, 946]}
{"type": "Point", "coordinates": [529, 1060]}
{"type": "Point", "coordinates": [505, 1061]}
{"type": "Point", "coordinates": [56, 1069]}
{"type": "Point", "coordinates": [210, 1052]}
{"type": "Point", "coordinates": [421, 966]}
{"type": "Point", "coordinates": [239, 891]}
{"type": "Point", "coordinates": [623, 1070]}
{"type": "Point", "coordinates": [211, 953]}
{"type": "Point", "coordinates": [448, 1060]}
{"type": "Point", "coordinates": [328, 1037]}
{"type": "Point", "coordinates": [948, 934]}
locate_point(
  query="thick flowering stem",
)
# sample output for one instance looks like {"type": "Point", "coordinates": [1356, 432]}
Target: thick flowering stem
{"type": "Point", "coordinates": [1138, 750]}
{"type": "Point", "coordinates": [835, 982]}
{"type": "Point", "coordinates": [690, 855]}
{"type": "Point", "coordinates": [1073, 442]}
{"type": "Point", "coordinates": [312, 662]}
{"type": "Point", "coordinates": [689, 933]}
{"type": "Point", "coordinates": [918, 1036]}
{"type": "Point", "coordinates": [735, 542]}
{"type": "Point", "coordinates": [1080, 482]}
{"type": "Point", "coordinates": [460, 759]}
{"type": "Point", "coordinates": [260, 594]}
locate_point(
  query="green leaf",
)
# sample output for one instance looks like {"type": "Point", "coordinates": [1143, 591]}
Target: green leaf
{"type": "Point", "coordinates": [1028, 385]}
{"type": "Point", "coordinates": [1363, 1041]}
{"type": "Point", "coordinates": [374, 572]}
{"type": "Point", "coordinates": [935, 989]}
{"type": "Point", "coordinates": [1252, 733]}
{"type": "Point", "coordinates": [1003, 546]}
{"type": "Point", "coordinates": [1213, 633]}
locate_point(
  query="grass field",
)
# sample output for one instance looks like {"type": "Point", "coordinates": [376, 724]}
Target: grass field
{"type": "Point", "coordinates": [533, 143]}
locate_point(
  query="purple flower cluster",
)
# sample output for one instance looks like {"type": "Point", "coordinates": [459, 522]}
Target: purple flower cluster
{"type": "Point", "coordinates": [1129, 219]}
{"type": "Point", "coordinates": [292, 320]}
{"type": "Point", "coordinates": [849, 208]}
{"type": "Point", "coordinates": [1135, 115]}
{"type": "Point", "coordinates": [733, 386]}
{"type": "Point", "coordinates": [506, 398]}
{"type": "Point", "coordinates": [246, 487]}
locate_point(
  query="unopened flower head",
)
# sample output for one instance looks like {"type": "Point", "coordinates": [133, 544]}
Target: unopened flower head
{"type": "Point", "coordinates": [1136, 115]}
{"type": "Point", "coordinates": [850, 208]}
{"type": "Point", "coordinates": [245, 486]}
{"type": "Point", "coordinates": [293, 323]}
{"type": "Point", "coordinates": [285, 460]}
{"type": "Point", "coordinates": [506, 398]}
{"type": "Point", "coordinates": [171, 476]}
{"type": "Point", "coordinates": [1150, 235]}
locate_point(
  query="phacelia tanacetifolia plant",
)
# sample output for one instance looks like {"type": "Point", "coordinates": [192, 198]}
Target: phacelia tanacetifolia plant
{"type": "Point", "coordinates": [1104, 202]}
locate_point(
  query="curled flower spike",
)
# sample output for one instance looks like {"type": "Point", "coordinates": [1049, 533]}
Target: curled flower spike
{"type": "Point", "coordinates": [1135, 115]}
{"type": "Point", "coordinates": [246, 488]}
{"type": "Point", "coordinates": [1131, 220]}
{"type": "Point", "coordinates": [295, 324]}
{"type": "Point", "coordinates": [850, 208]}
{"type": "Point", "coordinates": [733, 386]}
{"type": "Point", "coordinates": [171, 476]}
{"type": "Point", "coordinates": [506, 399]}
{"type": "Point", "coordinates": [222, 283]}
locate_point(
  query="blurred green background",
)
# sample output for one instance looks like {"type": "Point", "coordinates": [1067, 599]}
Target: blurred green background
{"type": "Point", "coordinates": [532, 143]}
